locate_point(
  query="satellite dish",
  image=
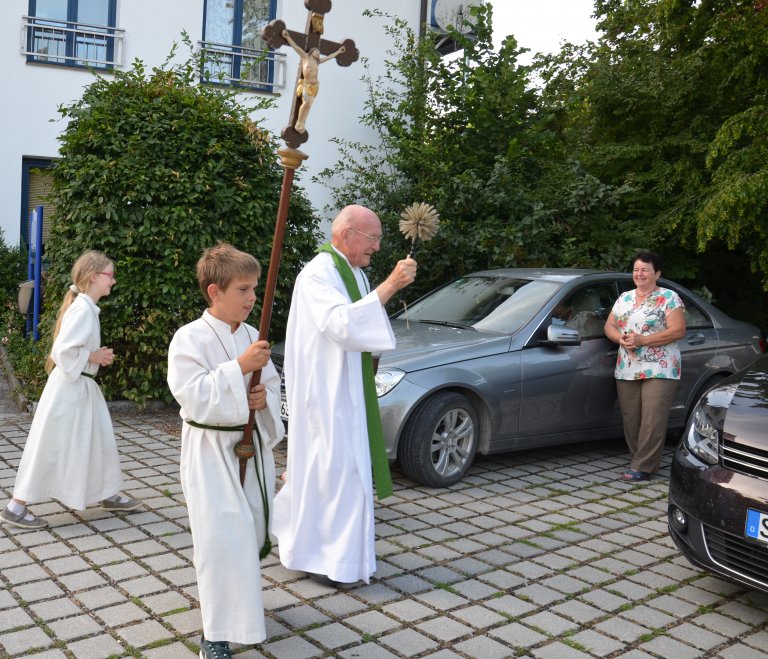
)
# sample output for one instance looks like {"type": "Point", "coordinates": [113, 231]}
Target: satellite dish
{"type": "Point", "coordinates": [454, 13]}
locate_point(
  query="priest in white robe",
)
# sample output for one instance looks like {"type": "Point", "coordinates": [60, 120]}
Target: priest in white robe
{"type": "Point", "coordinates": [323, 515]}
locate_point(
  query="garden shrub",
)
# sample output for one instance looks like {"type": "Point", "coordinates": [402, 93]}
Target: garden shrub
{"type": "Point", "coordinates": [154, 169]}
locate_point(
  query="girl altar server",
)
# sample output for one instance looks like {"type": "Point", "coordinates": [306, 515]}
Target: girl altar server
{"type": "Point", "coordinates": [71, 453]}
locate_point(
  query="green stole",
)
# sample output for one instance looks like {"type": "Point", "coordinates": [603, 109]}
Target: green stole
{"type": "Point", "coordinates": [379, 460]}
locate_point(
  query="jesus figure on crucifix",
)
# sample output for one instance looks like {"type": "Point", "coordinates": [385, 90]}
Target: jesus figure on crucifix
{"type": "Point", "coordinates": [308, 85]}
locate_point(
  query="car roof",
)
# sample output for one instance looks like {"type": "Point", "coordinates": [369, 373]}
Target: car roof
{"type": "Point", "coordinates": [551, 274]}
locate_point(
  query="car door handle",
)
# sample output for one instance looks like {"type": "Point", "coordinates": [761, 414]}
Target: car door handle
{"type": "Point", "coordinates": [696, 339]}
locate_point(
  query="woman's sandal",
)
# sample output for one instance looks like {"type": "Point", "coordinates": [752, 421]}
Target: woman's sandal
{"type": "Point", "coordinates": [633, 476]}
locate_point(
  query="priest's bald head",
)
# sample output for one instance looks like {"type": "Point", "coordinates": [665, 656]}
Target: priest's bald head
{"type": "Point", "coordinates": [356, 233]}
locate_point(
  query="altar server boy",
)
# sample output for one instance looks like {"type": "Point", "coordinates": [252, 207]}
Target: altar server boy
{"type": "Point", "coordinates": [210, 362]}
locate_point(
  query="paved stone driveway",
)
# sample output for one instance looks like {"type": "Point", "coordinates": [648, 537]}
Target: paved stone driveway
{"type": "Point", "coordinates": [540, 554]}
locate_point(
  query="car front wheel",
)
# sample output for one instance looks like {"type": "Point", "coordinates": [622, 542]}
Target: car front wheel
{"type": "Point", "coordinates": [440, 440]}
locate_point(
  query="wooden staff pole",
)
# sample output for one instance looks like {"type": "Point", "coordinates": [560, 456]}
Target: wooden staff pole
{"type": "Point", "coordinates": [290, 160]}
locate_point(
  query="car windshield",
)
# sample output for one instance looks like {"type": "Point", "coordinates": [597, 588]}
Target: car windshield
{"type": "Point", "coordinates": [490, 304]}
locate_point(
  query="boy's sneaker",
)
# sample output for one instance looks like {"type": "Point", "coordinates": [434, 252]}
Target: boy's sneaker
{"type": "Point", "coordinates": [211, 650]}
{"type": "Point", "coordinates": [21, 520]}
{"type": "Point", "coordinates": [121, 505]}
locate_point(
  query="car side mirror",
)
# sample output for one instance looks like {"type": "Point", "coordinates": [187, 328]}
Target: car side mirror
{"type": "Point", "coordinates": [559, 335]}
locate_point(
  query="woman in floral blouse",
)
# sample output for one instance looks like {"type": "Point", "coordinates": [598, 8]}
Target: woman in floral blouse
{"type": "Point", "coordinates": [646, 323]}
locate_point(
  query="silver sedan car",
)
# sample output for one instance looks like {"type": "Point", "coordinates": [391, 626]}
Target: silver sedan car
{"type": "Point", "coordinates": [504, 360]}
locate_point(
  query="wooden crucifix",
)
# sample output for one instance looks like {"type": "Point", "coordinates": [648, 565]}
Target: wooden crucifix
{"type": "Point", "coordinates": [313, 51]}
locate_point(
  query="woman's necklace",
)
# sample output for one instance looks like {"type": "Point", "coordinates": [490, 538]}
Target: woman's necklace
{"type": "Point", "coordinates": [642, 297]}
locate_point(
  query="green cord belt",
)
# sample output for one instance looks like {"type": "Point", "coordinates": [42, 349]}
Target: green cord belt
{"type": "Point", "coordinates": [266, 548]}
{"type": "Point", "coordinates": [204, 426]}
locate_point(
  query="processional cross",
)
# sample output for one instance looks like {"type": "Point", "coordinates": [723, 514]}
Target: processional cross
{"type": "Point", "coordinates": [313, 50]}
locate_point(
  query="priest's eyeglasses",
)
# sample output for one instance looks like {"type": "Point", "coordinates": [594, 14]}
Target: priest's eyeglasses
{"type": "Point", "coordinates": [372, 239]}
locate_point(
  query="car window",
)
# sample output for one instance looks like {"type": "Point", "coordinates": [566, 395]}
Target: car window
{"type": "Point", "coordinates": [695, 318]}
{"type": "Point", "coordinates": [486, 303]}
{"type": "Point", "coordinates": [586, 310]}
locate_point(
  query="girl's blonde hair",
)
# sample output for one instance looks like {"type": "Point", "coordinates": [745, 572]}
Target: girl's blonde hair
{"type": "Point", "coordinates": [90, 263]}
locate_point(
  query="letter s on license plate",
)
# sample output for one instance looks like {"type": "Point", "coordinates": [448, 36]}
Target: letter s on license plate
{"type": "Point", "coordinates": [757, 525]}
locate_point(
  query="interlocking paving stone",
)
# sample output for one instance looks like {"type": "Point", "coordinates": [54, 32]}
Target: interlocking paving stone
{"type": "Point", "coordinates": [739, 651]}
{"type": "Point", "coordinates": [744, 613]}
{"type": "Point", "coordinates": [144, 633]}
{"type": "Point", "coordinates": [621, 629]}
{"type": "Point", "coordinates": [21, 641]}
{"type": "Point", "coordinates": [517, 635]}
{"type": "Point", "coordinates": [408, 642]}
{"type": "Point", "coordinates": [367, 650]}
{"type": "Point", "coordinates": [54, 609]}
{"type": "Point", "coordinates": [672, 605]}
{"type": "Point", "coordinates": [668, 647]}
{"type": "Point", "coordinates": [648, 617]}
{"type": "Point", "coordinates": [333, 635]}
{"type": "Point", "coordinates": [596, 643]}
{"type": "Point", "coordinates": [696, 636]}
{"type": "Point", "coordinates": [31, 592]}
{"type": "Point", "coordinates": [371, 622]}
{"type": "Point", "coordinates": [483, 647]}
{"type": "Point", "coordinates": [75, 627]}
{"type": "Point", "coordinates": [301, 617]}
{"type": "Point", "coordinates": [185, 622]}
{"type": "Point", "coordinates": [294, 647]}
{"type": "Point", "coordinates": [24, 574]}
{"type": "Point", "coordinates": [478, 616]}
{"type": "Point", "coordinates": [510, 605]}
{"type": "Point", "coordinates": [577, 611]}
{"type": "Point", "coordinates": [122, 613]}
{"type": "Point", "coordinates": [721, 624]}
{"type": "Point", "coordinates": [100, 597]}
{"type": "Point", "coordinates": [15, 618]}
{"type": "Point", "coordinates": [173, 651]}
{"type": "Point", "coordinates": [444, 628]}
{"type": "Point", "coordinates": [558, 650]}
{"type": "Point", "coordinates": [165, 602]}
{"type": "Point", "coordinates": [82, 580]}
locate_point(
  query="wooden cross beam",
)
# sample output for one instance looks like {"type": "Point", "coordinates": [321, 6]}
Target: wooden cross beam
{"type": "Point", "coordinates": [313, 50]}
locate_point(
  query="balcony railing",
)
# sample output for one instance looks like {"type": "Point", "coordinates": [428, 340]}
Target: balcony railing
{"type": "Point", "coordinates": [248, 68]}
{"type": "Point", "coordinates": [54, 41]}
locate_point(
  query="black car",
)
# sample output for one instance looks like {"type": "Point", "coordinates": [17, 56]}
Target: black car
{"type": "Point", "coordinates": [718, 488]}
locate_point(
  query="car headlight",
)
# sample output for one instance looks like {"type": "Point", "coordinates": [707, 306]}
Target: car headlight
{"type": "Point", "coordinates": [705, 428]}
{"type": "Point", "coordinates": [703, 434]}
{"type": "Point", "coordinates": [387, 379]}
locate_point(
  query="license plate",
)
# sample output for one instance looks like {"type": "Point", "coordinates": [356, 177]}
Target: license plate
{"type": "Point", "coordinates": [284, 410]}
{"type": "Point", "coordinates": [757, 525]}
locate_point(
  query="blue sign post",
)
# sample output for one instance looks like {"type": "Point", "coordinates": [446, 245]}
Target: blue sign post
{"type": "Point", "coordinates": [34, 267]}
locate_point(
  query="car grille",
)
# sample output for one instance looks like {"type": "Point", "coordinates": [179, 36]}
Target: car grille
{"type": "Point", "coordinates": [744, 459]}
{"type": "Point", "coordinates": [736, 554]}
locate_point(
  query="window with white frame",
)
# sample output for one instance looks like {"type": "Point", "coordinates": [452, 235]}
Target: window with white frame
{"type": "Point", "coordinates": [235, 52]}
{"type": "Point", "coordinates": [73, 33]}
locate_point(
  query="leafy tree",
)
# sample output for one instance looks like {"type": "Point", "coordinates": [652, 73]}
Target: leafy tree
{"type": "Point", "coordinates": [671, 102]}
{"type": "Point", "coordinates": [154, 169]}
{"type": "Point", "coordinates": [12, 270]}
{"type": "Point", "coordinates": [468, 136]}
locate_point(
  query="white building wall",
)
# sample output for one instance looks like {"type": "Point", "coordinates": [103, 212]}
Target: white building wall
{"type": "Point", "coordinates": [31, 93]}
